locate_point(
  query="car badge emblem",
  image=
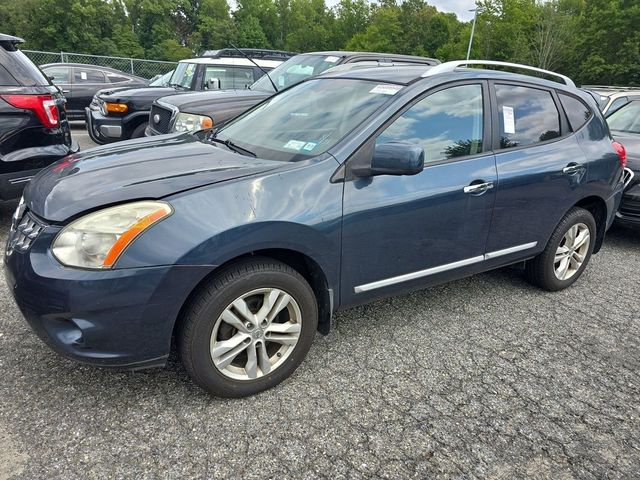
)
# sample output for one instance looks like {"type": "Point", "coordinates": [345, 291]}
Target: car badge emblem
{"type": "Point", "coordinates": [156, 118]}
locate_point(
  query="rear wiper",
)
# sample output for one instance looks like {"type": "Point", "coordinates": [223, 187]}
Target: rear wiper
{"type": "Point", "coordinates": [232, 146]}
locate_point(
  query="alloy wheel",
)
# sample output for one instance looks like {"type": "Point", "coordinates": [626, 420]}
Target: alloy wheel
{"type": "Point", "coordinates": [255, 334]}
{"type": "Point", "coordinates": [572, 251]}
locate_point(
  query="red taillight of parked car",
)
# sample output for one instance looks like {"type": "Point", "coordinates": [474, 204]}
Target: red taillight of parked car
{"type": "Point", "coordinates": [622, 153]}
{"type": "Point", "coordinates": [44, 106]}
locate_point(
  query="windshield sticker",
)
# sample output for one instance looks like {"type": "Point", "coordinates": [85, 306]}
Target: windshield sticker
{"type": "Point", "coordinates": [309, 146]}
{"type": "Point", "coordinates": [294, 145]}
{"type": "Point", "coordinates": [386, 89]}
{"type": "Point", "coordinates": [509, 120]}
{"type": "Point", "coordinates": [331, 59]}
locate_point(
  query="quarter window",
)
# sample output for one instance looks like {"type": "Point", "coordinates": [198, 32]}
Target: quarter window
{"type": "Point", "coordinates": [526, 116]}
{"type": "Point", "coordinates": [447, 124]}
{"type": "Point", "coordinates": [577, 111]}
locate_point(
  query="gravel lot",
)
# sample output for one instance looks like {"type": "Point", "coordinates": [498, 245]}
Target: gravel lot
{"type": "Point", "coordinates": [484, 377]}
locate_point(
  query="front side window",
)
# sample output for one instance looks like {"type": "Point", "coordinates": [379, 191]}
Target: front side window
{"type": "Point", "coordinates": [295, 70]}
{"type": "Point", "coordinates": [577, 111]}
{"type": "Point", "coordinates": [308, 119]}
{"type": "Point", "coordinates": [183, 76]}
{"type": "Point", "coordinates": [58, 75]}
{"type": "Point", "coordinates": [227, 77]}
{"type": "Point", "coordinates": [84, 75]}
{"type": "Point", "coordinates": [626, 119]}
{"type": "Point", "coordinates": [526, 116]}
{"type": "Point", "coordinates": [617, 104]}
{"type": "Point", "coordinates": [446, 124]}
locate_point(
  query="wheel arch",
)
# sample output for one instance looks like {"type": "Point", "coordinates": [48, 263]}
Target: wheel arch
{"type": "Point", "coordinates": [302, 263]}
{"type": "Point", "coordinates": [598, 208]}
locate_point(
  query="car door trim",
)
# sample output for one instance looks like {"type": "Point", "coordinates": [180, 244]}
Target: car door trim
{"type": "Point", "coordinates": [442, 268]}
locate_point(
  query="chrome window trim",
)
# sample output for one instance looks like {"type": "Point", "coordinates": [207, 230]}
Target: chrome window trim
{"type": "Point", "coordinates": [442, 268]}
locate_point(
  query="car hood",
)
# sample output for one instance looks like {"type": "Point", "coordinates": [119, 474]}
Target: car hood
{"type": "Point", "coordinates": [631, 142]}
{"type": "Point", "coordinates": [189, 101]}
{"type": "Point", "coordinates": [138, 169]}
{"type": "Point", "coordinates": [123, 94]}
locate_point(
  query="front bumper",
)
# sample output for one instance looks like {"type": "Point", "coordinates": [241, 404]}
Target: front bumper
{"type": "Point", "coordinates": [629, 211]}
{"type": "Point", "coordinates": [113, 318]}
{"type": "Point", "coordinates": [103, 129]}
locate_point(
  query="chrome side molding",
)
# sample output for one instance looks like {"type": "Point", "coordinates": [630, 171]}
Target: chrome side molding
{"type": "Point", "coordinates": [443, 268]}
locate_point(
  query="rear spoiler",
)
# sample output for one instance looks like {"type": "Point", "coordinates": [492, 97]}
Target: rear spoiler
{"type": "Point", "coordinates": [10, 43]}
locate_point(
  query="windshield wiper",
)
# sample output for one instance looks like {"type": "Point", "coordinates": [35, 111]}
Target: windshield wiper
{"type": "Point", "coordinates": [177, 85]}
{"type": "Point", "coordinates": [232, 146]}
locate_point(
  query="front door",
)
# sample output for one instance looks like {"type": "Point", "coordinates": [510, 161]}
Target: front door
{"type": "Point", "coordinates": [403, 231]}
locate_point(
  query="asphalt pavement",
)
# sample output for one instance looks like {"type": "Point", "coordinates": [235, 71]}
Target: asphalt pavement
{"type": "Point", "coordinates": [485, 377]}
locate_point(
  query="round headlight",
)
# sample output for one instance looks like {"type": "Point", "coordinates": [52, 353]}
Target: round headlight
{"type": "Point", "coordinates": [97, 240]}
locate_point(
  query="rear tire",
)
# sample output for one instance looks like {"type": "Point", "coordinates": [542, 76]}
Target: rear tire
{"type": "Point", "coordinates": [248, 328]}
{"type": "Point", "coordinates": [567, 253]}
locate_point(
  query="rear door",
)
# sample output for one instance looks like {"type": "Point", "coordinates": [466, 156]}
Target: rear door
{"type": "Point", "coordinates": [60, 76]}
{"type": "Point", "coordinates": [541, 168]}
{"type": "Point", "coordinates": [86, 82]}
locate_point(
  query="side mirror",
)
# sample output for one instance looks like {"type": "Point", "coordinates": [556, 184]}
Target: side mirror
{"type": "Point", "coordinates": [213, 84]}
{"type": "Point", "coordinates": [397, 158]}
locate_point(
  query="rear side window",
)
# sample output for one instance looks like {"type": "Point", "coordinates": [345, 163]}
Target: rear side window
{"type": "Point", "coordinates": [6, 79]}
{"type": "Point", "coordinates": [22, 69]}
{"type": "Point", "coordinates": [577, 112]}
{"type": "Point", "coordinates": [526, 115]}
{"type": "Point", "coordinates": [117, 79]}
{"type": "Point", "coordinates": [446, 124]}
{"type": "Point", "coordinates": [86, 75]}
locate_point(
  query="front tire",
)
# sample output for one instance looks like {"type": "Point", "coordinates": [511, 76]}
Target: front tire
{"type": "Point", "coordinates": [248, 328]}
{"type": "Point", "coordinates": [138, 132]}
{"type": "Point", "coordinates": [567, 253]}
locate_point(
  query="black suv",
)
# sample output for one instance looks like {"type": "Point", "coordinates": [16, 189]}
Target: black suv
{"type": "Point", "coordinates": [34, 131]}
{"type": "Point", "coordinates": [200, 110]}
{"type": "Point", "coordinates": [122, 113]}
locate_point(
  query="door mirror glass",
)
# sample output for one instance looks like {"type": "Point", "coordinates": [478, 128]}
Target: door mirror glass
{"type": "Point", "coordinates": [397, 158]}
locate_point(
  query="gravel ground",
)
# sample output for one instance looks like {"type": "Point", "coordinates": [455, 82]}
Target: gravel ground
{"type": "Point", "coordinates": [485, 377]}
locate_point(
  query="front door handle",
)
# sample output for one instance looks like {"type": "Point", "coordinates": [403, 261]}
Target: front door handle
{"type": "Point", "coordinates": [572, 168]}
{"type": "Point", "coordinates": [66, 91]}
{"type": "Point", "coordinates": [478, 188]}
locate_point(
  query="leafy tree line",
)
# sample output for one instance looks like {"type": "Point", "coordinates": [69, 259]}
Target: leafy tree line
{"type": "Point", "coordinates": [595, 41]}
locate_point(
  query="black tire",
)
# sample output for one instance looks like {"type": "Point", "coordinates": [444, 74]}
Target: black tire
{"type": "Point", "coordinates": [540, 271]}
{"type": "Point", "coordinates": [138, 132]}
{"type": "Point", "coordinates": [212, 299]}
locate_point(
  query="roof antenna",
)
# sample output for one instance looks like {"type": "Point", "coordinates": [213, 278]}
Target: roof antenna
{"type": "Point", "coordinates": [252, 61]}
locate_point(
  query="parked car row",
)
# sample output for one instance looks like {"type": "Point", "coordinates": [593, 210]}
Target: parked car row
{"type": "Point", "coordinates": [341, 185]}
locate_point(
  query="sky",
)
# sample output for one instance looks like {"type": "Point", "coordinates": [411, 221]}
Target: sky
{"type": "Point", "coordinates": [459, 7]}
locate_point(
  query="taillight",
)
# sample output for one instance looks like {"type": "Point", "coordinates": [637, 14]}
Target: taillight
{"type": "Point", "coordinates": [44, 106]}
{"type": "Point", "coordinates": [622, 153]}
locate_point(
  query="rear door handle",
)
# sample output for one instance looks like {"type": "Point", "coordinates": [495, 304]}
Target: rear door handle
{"type": "Point", "coordinates": [572, 168]}
{"type": "Point", "coordinates": [478, 188]}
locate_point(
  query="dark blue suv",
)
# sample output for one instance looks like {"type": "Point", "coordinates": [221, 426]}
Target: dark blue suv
{"type": "Point", "coordinates": [338, 191]}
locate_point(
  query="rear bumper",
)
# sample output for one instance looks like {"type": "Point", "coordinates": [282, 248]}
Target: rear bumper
{"type": "Point", "coordinates": [13, 180]}
{"type": "Point", "coordinates": [629, 211]}
{"type": "Point", "coordinates": [120, 318]}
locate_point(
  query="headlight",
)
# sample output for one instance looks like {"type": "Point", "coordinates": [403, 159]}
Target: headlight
{"type": "Point", "coordinates": [186, 122]}
{"type": "Point", "coordinates": [97, 240]}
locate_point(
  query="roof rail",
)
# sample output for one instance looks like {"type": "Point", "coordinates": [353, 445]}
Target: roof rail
{"type": "Point", "coordinates": [249, 52]}
{"type": "Point", "coordinates": [610, 87]}
{"type": "Point", "coordinates": [451, 66]}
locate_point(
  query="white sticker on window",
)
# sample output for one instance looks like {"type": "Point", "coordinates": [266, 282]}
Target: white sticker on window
{"type": "Point", "coordinates": [386, 89]}
{"type": "Point", "coordinates": [309, 146]}
{"type": "Point", "coordinates": [294, 144]}
{"type": "Point", "coordinates": [331, 59]}
{"type": "Point", "coordinates": [83, 75]}
{"type": "Point", "coordinates": [509, 120]}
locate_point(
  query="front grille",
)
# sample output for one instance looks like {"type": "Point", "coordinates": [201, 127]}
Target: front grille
{"type": "Point", "coordinates": [25, 232]}
{"type": "Point", "coordinates": [160, 119]}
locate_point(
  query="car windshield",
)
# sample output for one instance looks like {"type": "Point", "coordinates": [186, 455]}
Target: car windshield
{"type": "Point", "coordinates": [295, 70]}
{"type": "Point", "coordinates": [627, 119]}
{"type": "Point", "coordinates": [306, 120]}
{"type": "Point", "coordinates": [183, 76]}
{"type": "Point", "coordinates": [162, 81]}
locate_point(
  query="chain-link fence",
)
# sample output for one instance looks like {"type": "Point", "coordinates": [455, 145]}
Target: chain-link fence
{"type": "Point", "coordinates": [136, 66]}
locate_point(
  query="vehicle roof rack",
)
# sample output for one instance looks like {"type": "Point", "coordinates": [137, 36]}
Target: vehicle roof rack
{"type": "Point", "coordinates": [249, 52]}
{"type": "Point", "coordinates": [451, 66]}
